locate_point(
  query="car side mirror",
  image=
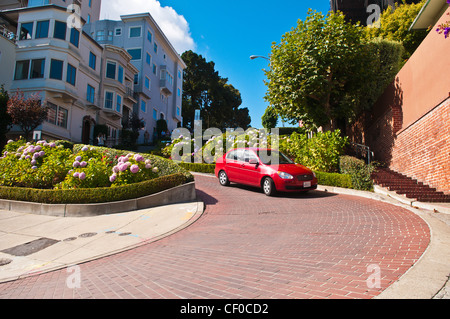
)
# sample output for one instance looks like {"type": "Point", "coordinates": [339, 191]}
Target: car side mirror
{"type": "Point", "coordinates": [253, 161]}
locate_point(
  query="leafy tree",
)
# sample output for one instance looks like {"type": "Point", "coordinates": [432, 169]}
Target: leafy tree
{"type": "Point", "coordinates": [27, 113]}
{"type": "Point", "coordinates": [395, 24]}
{"type": "Point", "coordinates": [269, 119]}
{"type": "Point", "coordinates": [5, 119]}
{"type": "Point", "coordinates": [316, 70]}
{"type": "Point", "coordinates": [383, 59]}
{"type": "Point", "coordinates": [203, 89]}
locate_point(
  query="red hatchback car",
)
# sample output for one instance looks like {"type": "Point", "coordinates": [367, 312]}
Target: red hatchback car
{"type": "Point", "coordinates": [256, 167]}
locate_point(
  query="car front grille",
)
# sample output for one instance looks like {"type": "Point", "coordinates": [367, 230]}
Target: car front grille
{"type": "Point", "coordinates": [305, 177]}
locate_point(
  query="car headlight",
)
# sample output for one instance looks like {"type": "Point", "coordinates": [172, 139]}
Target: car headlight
{"type": "Point", "coordinates": [284, 175]}
{"type": "Point", "coordinates": [314, 174]}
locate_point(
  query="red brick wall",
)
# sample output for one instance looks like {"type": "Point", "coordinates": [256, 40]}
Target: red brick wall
{"type": "Point", "coordinates": [409, 127]}
{"type": "Point", "coordinates": [422, 150]}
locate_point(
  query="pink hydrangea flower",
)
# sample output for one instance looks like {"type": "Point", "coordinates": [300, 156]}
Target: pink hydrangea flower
{"type": "Point", "coordinates": [76, 164]}
{"type": "Point", "coordinates": [83, 164]}
{"type": "Point", "coordinates": [78, 158]}
{"type": "Point", "coordinates": [85, 148]}
{"type": "Point", "coordinates": [123, 167]}
{"type": "Point", "coordinates": [82, 176]}
{"type": "Point", "coordinates": [134, 169]}
{"type": "Point", "coordinates": [76, 174]}
{"type": "Point", "coordinates": [138, 158]}
{"type": "Point", "coordinates": [112, 178]}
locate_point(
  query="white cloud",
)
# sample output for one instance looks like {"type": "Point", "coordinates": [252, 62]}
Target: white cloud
{"type": "Point", "coordinates": [174, 25]}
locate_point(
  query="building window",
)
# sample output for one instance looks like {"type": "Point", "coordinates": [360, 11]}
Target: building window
{"type": "Point", "coordinates": [74, 37]}
{"type": "Point", "coordinates": [136, 54]}
{"type": "Point", "coordinates": [147, 83]}
{"type": "Point", "coordinates": [56, 69]}
{"type": "Point", "coordinates": [71, 74]}
{"type": "Point", "coordinates": [155, 47]}
{"type": "Point", "coordinates": [52, 112]}
{"type": "Point", "coordinates": [120, 79]}
{"type": "Point", "coordinates": [88, 19]}
{"type": "Point", "coordinates": [63, 115]}
{"type": "Point", "coordinates": [179, 74]}
{"type": "Point", "coordinates": [154, 68]}
{"type": "Point", "coordinates": [118, 32]}
{"type": "Point", "coordinates": [118, 103]}
{"type": "Point", "coordinates": [110, 35]}
{"type": "Point", "coordinates": [60, 30]}
{"type": "Point", "coordinates": [100, 35]}
{"type": "Point", "coordinates": [90, 97]}
{"type": "Point", "coordinates": [26, 31]}
{"type": "Point", "coordinates": [148, 58]}
{"type": "Point", "coordinates": [109, 100]}
{"type": "Point", "coordinates": [37, 69]}
{"type": "Point", "coordinates": [92, 60]}
{"type": "Point", "coordinates": [155, 115]}
{"type": "Point", "coordinates": [178, 92]}
{"type": "Point", "coordinates": [178, 111]}
{"type": "Point", "coordinates": [149, 36]}
{"type": "Point", "coordinates": [42, 29]}
{"type": "Point", "coordinates": [135, 32]}
{"type": "Point", "coordinates": [136, 79]}
{"type": "Point", "coordinates": [57, 115]}
{"type": "Point", "coordinates": [22, 68]}
{"type": "Point", "coordinates": [111, 70]}
{"type": "Point", "coordinates": [143, 106]}
{"type": "Point", "coordinates": [90, 3]}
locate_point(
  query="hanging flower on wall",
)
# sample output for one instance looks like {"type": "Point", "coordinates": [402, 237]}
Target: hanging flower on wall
{"type": "Point", "coordinates": [444, 27]}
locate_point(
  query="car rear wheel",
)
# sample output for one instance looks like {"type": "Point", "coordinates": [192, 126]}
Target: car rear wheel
{"type": "Point", "coordinates": [268, 186]}
{"type": "Point", "coordinates": [223, 179]}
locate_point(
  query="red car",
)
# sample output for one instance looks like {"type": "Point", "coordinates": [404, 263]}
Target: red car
{"type": "Point", "coordinates": [256, 167]}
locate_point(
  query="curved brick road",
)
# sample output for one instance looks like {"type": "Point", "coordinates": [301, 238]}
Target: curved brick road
{"type": "Point", "coordinates": [247, 245]}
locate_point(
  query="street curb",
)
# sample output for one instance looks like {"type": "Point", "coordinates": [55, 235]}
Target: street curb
{"type": "Point", "coordinates": [178, 194]}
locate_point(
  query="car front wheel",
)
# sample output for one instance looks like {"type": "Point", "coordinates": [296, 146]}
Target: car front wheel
{"type": "Point", "coordinates": [223, 179]}
{"type": "Point", "coordinates": [268, 187]}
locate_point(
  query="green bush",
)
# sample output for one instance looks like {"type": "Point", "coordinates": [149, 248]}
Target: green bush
{"type": "Point", "coordinates": [321, 152]}
{"type": "Point", "coordinates": [334, 179]}
{"type": "Point", "coordinates": [44, 165]}
{"type": "Point", "coordinates": [95, 195]}
{"type": "Point", "coordinates": [359, 171]}
{"type": "Point", "coordinates": [200, 168]}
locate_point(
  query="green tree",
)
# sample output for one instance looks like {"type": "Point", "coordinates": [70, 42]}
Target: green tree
{"type": "Point", "coordinates": [5, 119]}
{"type": "Point", "coordinates": [316, 70]}
{"type": "Point", "coordinates": [270, 118]}
{"type": "Point", "coordinates": [394, 25]}
{"type": "Point", "coordinates": [203, 89]}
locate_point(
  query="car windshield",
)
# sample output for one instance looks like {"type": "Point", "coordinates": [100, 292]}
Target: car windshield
{"type": "Point", "coordinates": [269, 157]}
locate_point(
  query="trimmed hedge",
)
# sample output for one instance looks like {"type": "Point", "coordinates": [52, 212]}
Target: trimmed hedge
{"type": "Point", "coordinates": [334, 179]}
{"type": "Point", "coordinates": [199, 168]}
{"type": "Point", "coordinates": [95, 195]}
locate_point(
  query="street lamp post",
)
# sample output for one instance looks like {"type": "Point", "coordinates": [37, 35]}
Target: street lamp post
{"type": "Point", "coordinates": [252, 57]}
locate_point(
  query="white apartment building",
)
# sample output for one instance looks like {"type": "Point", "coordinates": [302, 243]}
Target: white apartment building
{"type": "Point", "coordinates": [67, 68]}
{"type": "Point", "coordinates": [159, 83]}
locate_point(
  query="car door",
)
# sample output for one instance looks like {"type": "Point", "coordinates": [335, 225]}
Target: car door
{"type": "Point", "coordinates": [250, 169]}
{"type": "Point", "coordinates": [232, 166]}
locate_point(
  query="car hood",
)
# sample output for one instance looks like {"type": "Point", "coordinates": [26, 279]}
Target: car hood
{"type": "Point", "coordinates": [293, 169]}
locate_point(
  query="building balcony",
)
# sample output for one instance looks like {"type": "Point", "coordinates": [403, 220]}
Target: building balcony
{"type": "Point", "coordinates": [131, 95]}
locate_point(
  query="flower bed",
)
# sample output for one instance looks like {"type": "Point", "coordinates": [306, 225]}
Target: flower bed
{"type": "Point", "coordinates": [51, 173]}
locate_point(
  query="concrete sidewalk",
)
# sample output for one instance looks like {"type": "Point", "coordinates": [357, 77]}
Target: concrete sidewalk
{"type": "Point", "coordinates": [32, 244]}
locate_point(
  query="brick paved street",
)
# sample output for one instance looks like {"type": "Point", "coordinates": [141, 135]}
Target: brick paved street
{"type": "Point", "coordinates": [247, 245]}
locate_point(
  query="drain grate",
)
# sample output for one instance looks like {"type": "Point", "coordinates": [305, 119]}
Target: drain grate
{"type": "Point", "coordinates": [70, 239]}
{"type": "Point", "coordinates": [30, 247]}
{"type": "Point", "coordinates": [87, 235]}
{"type": "Point", "coordinates": [5, 261]}
{"type": "Point", "coordinates": [124, 234]}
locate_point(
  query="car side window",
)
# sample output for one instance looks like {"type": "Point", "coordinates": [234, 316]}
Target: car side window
{"type": "Point", "coordinates": [232, 155]}
{"type": "Point", "coordinates": [248, 155]}
{"type": "Point", "coordinates": [240, 155]}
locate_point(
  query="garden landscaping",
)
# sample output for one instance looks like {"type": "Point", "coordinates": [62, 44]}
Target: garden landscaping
{"type": "Point", "coordinates": [60, 172]}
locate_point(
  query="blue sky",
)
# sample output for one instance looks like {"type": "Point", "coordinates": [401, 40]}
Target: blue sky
{"type": "Point", "coordinates": [226, 32]}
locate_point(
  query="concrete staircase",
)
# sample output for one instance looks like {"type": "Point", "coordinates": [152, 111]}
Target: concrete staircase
{"type": "Point", "coordinates": [409, 187]}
